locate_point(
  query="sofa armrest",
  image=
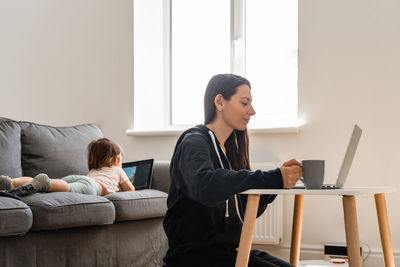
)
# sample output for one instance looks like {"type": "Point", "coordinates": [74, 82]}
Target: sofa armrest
{"type": "Point", "coordinates": [161, 179]}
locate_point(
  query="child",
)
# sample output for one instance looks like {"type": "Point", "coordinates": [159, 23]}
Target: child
{"type": "Point", "coordinates": [105, 176]}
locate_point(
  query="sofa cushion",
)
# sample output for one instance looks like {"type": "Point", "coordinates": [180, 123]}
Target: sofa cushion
{"type": "Point", "coordinates": [141, 204]}
{"type": "Point", "coordinates": [15, 217]}
{"type": "Point", "coordinates": [59, 210]}
{"type": "Point", "coordinates": [10, 148]}
{"type": "Point", "coordinates": [57, 151]}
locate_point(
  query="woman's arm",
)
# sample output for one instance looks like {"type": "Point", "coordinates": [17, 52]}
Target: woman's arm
{"type": "Point", "coordinates": [127, 186]}
{"type": "Point", "coordinates": [194, 173]}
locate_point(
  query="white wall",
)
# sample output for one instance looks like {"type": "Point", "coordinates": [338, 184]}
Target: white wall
{"type": "Point", "coordinates": [67, 62]}
{"type": "Point", "coordinates": [349, 72]}
{"type": "Point", "coordinates": [70, 62]}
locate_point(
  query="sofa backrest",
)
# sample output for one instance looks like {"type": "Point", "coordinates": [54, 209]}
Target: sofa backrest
{"type": "Point", "coordinates": [56, 151]}
{"type": "Point", "coordinates": [10, 148]}
{"type": "Point", "coordinates": [27, 149]}
{"type": "Point", "coordinates": [161, 178]}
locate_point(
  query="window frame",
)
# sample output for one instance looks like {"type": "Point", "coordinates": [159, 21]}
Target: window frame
{"type": "Point", "coordinates": [237, 66]}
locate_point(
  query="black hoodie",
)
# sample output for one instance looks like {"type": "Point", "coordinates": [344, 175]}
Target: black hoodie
{"type": "Point", "coordinates": [196, 223]}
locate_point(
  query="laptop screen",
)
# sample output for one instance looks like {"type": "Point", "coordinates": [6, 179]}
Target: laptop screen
{"type": "Point", "coordinates": [139, 173]}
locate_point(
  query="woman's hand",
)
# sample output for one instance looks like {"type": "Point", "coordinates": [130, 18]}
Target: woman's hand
{"type": "Point", "coordinates": [291, 172]}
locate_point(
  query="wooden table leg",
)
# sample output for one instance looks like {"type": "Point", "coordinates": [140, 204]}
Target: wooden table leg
{"type": "Point", "coordinates": [351, 225]}
{"type": "Point", "coordinates": [296, 229]}
{"type": "Point", "coordinates": [246, 236]}
{"type": "Point", "coordinates": [384, 230]}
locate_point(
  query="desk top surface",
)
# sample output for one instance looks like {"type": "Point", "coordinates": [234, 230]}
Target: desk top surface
{"type": "Point", "coordinates": [345, 191]}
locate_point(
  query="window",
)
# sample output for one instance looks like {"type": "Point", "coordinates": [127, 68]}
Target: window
{"type": "Point", "coordinates": [180, 44]}
{"type": "Point", "coordinates": [199, 51]}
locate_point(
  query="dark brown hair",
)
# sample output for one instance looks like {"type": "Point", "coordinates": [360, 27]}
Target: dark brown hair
{"type": "Point", "coordinates": [237, 144]}
{"type": "Point", "coordinates": [102, 153]}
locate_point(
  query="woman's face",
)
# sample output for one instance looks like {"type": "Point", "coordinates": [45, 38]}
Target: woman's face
{"type": "Point", "coordinates": [237, 111]}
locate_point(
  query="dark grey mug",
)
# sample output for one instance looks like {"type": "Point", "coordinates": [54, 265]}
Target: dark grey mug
{"type": "Point", "coordinates": [313, 173]}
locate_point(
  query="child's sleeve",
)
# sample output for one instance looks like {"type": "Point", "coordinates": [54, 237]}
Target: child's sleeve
{"type": "Point", "coordinates": [122, 176]}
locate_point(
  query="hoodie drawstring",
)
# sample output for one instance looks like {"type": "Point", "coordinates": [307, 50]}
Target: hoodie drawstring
{"type": "Point", "coordinates": [222, 166]}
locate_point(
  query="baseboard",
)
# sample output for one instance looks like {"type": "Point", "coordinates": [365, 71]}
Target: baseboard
{"type": "Point", "coordinates": [371, 258]}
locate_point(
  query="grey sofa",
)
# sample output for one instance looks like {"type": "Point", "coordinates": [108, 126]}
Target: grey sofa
{"type": "Point", "coordinates": [69, 229]}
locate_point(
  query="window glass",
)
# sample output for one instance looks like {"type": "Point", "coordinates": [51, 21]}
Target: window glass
{"type": "Point", "coordinates": [200, 49]}
{"type": "Point", "coordinates": [149, 107]}
{"type": "Point", "coordinates": [271, 61]}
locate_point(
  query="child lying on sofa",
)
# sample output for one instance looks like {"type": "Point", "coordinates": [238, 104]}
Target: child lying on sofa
{"type": "Point", "coordinates": [105, 176]}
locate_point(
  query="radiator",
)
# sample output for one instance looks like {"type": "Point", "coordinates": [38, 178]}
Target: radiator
{"type": "Point", "coordinates": [268, 228]}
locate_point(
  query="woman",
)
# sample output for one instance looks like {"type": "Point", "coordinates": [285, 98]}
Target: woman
{"type": "Point", "coordinates": [209, 167]}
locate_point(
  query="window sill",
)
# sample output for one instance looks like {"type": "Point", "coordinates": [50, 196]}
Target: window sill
{"type": "Point", "coordinates": [163, 132]}
{"type": "Point", "coordinates": [177, 132]}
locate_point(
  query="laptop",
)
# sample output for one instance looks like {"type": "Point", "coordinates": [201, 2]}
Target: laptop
{"type": "Point", "coordinates": [347, 161]}
{"type": "Point", "coordinates": [139, 173]}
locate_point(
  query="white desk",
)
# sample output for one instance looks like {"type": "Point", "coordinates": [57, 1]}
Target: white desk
{"type": "Point", "coordinates": [350, 219]}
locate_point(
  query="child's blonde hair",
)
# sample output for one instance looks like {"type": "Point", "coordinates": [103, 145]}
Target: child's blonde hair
{"type": "Point", "coordinates": [102, 153]}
